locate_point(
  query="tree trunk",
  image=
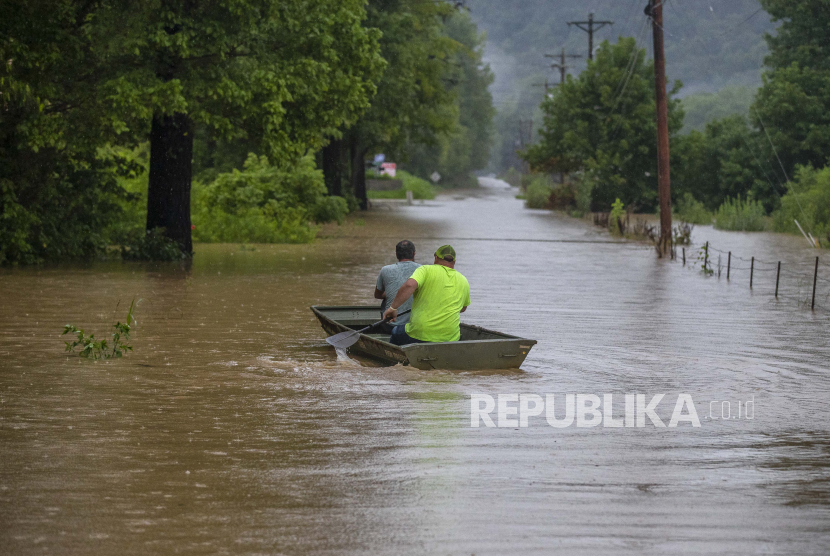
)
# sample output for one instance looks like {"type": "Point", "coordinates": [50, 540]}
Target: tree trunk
{"type": "Point", "coordinates": [358, 154]}
{"type": "Point", "coordinates": [168, 194]}
{"type": "Point", "coordinates": [332, 169]}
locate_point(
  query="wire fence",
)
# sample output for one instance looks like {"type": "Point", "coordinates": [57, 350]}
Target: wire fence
{"type": "Point", "coordinates": [806, 282]}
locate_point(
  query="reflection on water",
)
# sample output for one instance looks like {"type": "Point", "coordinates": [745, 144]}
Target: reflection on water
{"type": "Point", "coordinates": [234, 428]}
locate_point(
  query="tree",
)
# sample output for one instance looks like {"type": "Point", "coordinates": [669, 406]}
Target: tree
{"type": "Point", "coordinates": [411, 100]}
{"type": "Point", "coordinates": [727, 160]}
{"type": "Point", "coordinates": [602, 124]}
{"type": "Point", "coordinates": [278, 74]}
{"type": "Point", "coordinates": [281, 72]}
{"type": "Point", "coordinates": [712, 45]}
{"type": "Point", "coordinates": [57, 189]}
{"type": "Point", "coordinates": [793, 106]}
{"type": "Point", "coordinates": [466, 147]}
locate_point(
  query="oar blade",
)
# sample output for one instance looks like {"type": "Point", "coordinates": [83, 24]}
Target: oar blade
{"type": "Point", "coordinates": [344, 339]}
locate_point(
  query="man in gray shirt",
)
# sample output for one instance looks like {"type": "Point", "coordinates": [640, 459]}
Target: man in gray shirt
{"type": "Point", "coordinates": [392, 277]}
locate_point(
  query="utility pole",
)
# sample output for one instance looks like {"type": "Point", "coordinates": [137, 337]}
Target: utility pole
{"type": "Point", "coordinates": [561, 66]}
{"type": "Point", "coordinates": [523, 130]}
{"type": "Point", "coordinates": [521, 142]}
{"type": "Point", "coordinates": [592, 25]}
{"type": "Point", "coordinates": [654, 10]}
{"type": "Point", "coordinates": [545, 85]}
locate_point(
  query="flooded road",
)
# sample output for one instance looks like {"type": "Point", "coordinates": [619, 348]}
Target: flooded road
{"type": "Point", "coordinates": [233, 428]}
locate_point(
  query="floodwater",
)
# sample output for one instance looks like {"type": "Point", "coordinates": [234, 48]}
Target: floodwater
{"type": "Point", "coordinates": [234, 429]}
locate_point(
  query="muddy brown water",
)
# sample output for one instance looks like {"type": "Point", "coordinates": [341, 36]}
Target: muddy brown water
{"type": "Point", "coordinates": [233, 428]}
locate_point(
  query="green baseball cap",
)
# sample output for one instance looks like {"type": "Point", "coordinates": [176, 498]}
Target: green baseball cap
{"type": "Point", "coordinates": [446, 252]}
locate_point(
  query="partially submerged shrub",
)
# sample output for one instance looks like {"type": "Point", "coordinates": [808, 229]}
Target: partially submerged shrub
{"type": "Point", "coordinates": [151, 245]}
{"type": "Point", "coordinates": [263, 203]}
{"type": "Point", "coordinates": [692, 211]}
{"type": "Point", "coordinates": [616, 219]}
{"type": "Point", "coordinates": [562, 197]}
{"type": "Point", "coordinates": [738, 215]}
{"type": "Point", "coordinates": [807, 201]}
{"type": "Point", "coordinates": [539, 189]}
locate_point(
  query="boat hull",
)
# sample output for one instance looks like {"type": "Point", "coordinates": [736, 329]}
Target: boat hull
{"type": "Point", "coordinates": [478, 349]}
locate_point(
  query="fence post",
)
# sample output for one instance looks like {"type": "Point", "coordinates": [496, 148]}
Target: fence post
{"type": "Point", "coordinates": [728, 264]}
{"type": "Point", "coordinates": [815, 277]}
{"type": "Point", "coordinates": [706, 258]}
{"type": "Point", "coordinates": [751, 272]}
{"type": "Point", "coordinates": [684, 256]}
{"type": "Point", "coordinates": [777, 278]}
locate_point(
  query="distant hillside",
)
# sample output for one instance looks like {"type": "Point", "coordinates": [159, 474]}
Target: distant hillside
{"type": "Point", "coordinates": [710, 44]}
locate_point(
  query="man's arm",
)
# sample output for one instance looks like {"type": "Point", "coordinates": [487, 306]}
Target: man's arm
{"type": "Point", "coordinates": [404, 293]}
{"type": "Point", "coordinates": [463, 309]}
{"type": "Point", "coordinates": [380, 287]}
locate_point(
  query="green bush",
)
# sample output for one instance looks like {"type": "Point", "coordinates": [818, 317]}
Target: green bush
{"type": "Point", "coordinates": [539, 188]}
{"type": "Point", "coordinates": [264, 204]}
{"type": "Point", "coordinates": [692, 211]}
{"type": "Point", "coordinates": [615, 217]}
{"type": "Point", "coordinates": [583, 185]}
{"type": "Point", "coordinates": [56, 206]}
{"type": "Point", "coordinates": [421, 189]}
{"type": "Point", "coordinates": [738, 215]}
{"type": "Point", "coordinates": [807, 201]}
{"type": "Point", "coordinates": [151, 245]}
{"type": "Point", "coordinates": [512, 176]}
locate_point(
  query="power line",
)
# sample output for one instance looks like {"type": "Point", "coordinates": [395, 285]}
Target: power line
{"type": "Point", "coordinates": [561, 66]}
{"type": "Point", "coordinates": [591, 23]}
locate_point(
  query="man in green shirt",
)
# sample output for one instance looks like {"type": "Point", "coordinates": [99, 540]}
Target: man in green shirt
{"type": "Point", "coordinates": [441, 295]}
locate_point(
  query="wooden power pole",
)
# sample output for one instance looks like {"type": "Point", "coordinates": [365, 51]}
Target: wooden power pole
{"type": "Point", "coordinates": [592, 25]}
{"type": "Point", "coordinates": [655, 11]}
{"type": "Point", "coordinates": [546, 85]}
{"type": "Point", "coordinates": [561, 66]}
{"type": "Point", "coordinates": [525, 130]}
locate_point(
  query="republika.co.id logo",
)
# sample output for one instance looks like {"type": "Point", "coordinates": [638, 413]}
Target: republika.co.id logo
{"type": "Point", "coordinates": [583, 410]}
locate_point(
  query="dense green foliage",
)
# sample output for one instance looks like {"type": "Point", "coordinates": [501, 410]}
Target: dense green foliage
{"type": "Point", "coordinates": [264, 203]}
{"type": "Point", "coordinates": [539, 189]}
{"type": "Point", "coordinates": [703, 108]}
{"type": "Point", "coordinates": [739, 215]}
{"type": "Point", "coordinates": [82, 82]}
{"type": "Point", "coordinates": [87, 75]}
{"type": "Point", "coordinates": [690, 210]}
{"type": "Point", "coordinates": [466, 147]}
{"type": "Point", "coordinates": [412, 103]}
{"type": "Point", "coordinates": [728, 159]}
{"type": "Point", "coordinates": [790, 126]}
{"type": "Point", "coordinates": [601, 124]}
{"type": "Point", "coordinates": [793, 106]}
{"type": "Point", "coordinates": [808, 202]}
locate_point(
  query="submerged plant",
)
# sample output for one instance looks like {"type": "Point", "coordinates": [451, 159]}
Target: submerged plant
{"type": "Point", "coordinates": [703, 259]}
{"type": "Point", "coordinates": [101, 349]}
{"type": "Point", "coordinates": [738, 215]}
{"type": "Point", "coordinates": [615, 219]}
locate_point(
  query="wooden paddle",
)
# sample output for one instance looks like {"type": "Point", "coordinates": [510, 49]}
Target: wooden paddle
{"type": "Point", "coordinates": [350, 337]}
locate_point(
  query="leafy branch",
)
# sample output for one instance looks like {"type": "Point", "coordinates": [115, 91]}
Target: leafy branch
{"type": "Point", "coordinates": [102, 349]}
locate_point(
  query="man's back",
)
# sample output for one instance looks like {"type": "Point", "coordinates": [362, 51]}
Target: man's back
{"type": "Point", "coordinates": [390, 280]}
{"type": "Point", "coordinates": [441, 295]}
